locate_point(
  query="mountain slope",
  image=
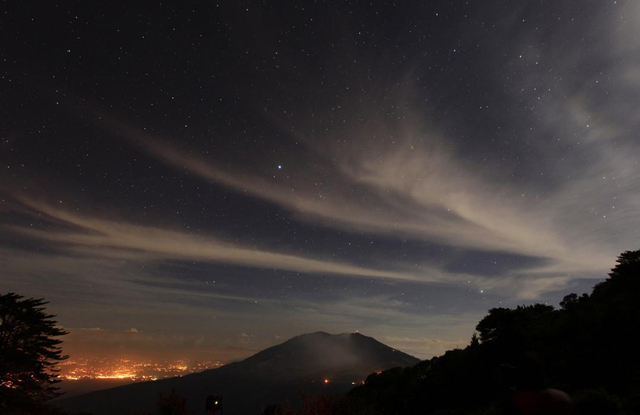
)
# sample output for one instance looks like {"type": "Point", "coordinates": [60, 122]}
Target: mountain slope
{"type": "Point", "coordinates": [270, 376]}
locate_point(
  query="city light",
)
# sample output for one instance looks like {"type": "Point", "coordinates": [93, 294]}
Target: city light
{"type": "Point", "coordinates": [76, 369]}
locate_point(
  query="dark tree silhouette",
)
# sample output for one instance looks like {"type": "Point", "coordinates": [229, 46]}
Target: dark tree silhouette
{"type": "Point", "coordinates": [29, 353]}
{"type": "Point", "coordinates": [173, 404]}
{"type": "Point", "coordinates": [587, 348]}
{"type": "Point", "coordinates": [170, 404]}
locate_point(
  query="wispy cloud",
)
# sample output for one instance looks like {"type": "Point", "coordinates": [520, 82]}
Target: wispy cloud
{"type": "Point", "coordinates": [159, 243]}
{"type": "Point", "coordinates": [417, 187]}
{"type": "Point", "coordinates": [570, 204]}
{"type": "Point", "coordinates": [83, 329]}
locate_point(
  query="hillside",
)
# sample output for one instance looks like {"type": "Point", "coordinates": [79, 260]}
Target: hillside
{"type": "Point", "coordinates": [584, 349]}
{"type": "Point", "coordinates": [273, 375]}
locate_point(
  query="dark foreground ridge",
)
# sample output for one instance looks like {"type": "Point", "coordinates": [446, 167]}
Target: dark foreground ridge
{"type": "Point", "coordinates": [271, 376]}
{"type": "Point", "coordinates": [521, 358]}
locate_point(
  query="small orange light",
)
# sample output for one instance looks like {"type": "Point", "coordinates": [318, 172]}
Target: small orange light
{"type": "Point", "coordinates": [326, 381]}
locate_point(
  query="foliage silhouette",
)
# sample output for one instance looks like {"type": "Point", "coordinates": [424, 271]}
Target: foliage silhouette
{"type": "Point", "coordinates": [173, 404]}
{"type": "Point", "coordinates": [168, 404]}
{"type": "Point", "coordinates": [29, 353]}
{"type": "Point", "coordinates": [284, 409]}
{"type": "Point", "coordinates": [584, 348]}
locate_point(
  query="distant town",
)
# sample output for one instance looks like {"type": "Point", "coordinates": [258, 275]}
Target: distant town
{"type": "Point", "coordinates": [135, 370]}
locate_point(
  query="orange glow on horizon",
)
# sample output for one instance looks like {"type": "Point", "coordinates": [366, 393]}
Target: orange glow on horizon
{"type": "Point", "coordinates": [131, 369]}
{"type": "Point", "coordinates": [117, 376]}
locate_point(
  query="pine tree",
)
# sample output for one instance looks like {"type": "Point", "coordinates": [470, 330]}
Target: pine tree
{"type": "Point", "coordinates": [29, 353]}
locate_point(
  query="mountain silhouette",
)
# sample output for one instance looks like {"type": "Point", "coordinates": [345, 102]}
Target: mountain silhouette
{"type": "Point", "coordinates": [312, 363]}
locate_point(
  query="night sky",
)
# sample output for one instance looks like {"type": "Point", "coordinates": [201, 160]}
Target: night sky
{"type": "Point", "coordinates": [206, 179]}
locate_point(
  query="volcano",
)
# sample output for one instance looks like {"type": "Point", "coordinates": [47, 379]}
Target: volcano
{"type": "Point", "coordinates": [313, 363]}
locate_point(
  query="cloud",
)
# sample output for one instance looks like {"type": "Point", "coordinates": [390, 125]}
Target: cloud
{"type": "Point", "coordinates": [394, 167]}
{"type": "Point", "coordinates": [115, 344]}
{"type": "Point", "coordinates": [83, 329]}
{"type": "Point", "coordinates": [419, 188]}
{"type": "Point", "coordinates": [115, 238]}
{"type": "Point", "coordinates": [101, 251]}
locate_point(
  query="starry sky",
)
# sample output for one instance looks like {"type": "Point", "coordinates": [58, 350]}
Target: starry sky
{"type": "Point", "coordinates": [207, 179]}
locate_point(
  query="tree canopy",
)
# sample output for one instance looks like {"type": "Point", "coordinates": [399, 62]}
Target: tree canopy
{"type": "Point", "coordinates": [29, 353]}
{"type": "Point", "coordinates": [586, 348]}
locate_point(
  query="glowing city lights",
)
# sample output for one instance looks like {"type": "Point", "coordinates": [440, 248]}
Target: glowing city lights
{"type": "Point", "coordinates": [76, 369]}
